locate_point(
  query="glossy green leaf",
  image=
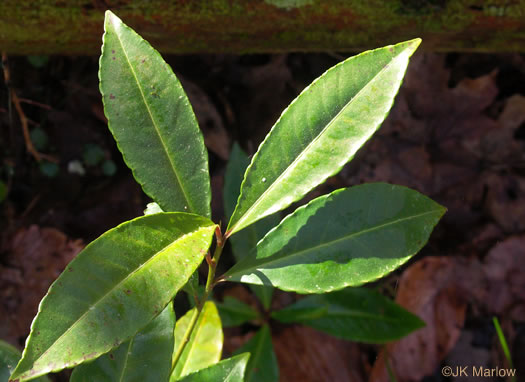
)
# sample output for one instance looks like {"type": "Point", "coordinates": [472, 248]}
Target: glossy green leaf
{"type": "Point", "coordinates": [234, 312]}
{"type": "Point", "coordinates": [244, 241]}
{"type": "Point", "coordinates": [228, 370]}
{"type": "Point", "coordinates": [354, 314]}
{"type": "Point", "coordinates": [204, 347]}
{"type": "Point", "coordinates": [321, 130]}
{"type": "Point", "coordinates": [347, 238]}
{"type": "Point", "coordinates": [9, 357]}
{"type": "Point", "coordinates": [144, 357]}
{"type": "Point", "coordinates": [152, 121]}
{"type": "Point", "coordinates": [114, 288]}
{"type": "Point", "coordinates": [262, 366]}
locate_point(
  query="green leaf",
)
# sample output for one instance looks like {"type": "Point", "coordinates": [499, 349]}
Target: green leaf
{"type": "Point", "coordinates": [354, 314]}
{"type": "Point", "coordinates": [114, 288]}
{"type": "Point", "coordinates": [320, 131]}
{"type": "Point", "coordinates": [205, 344]}
{"type": "Point", "coordinates": [262, 366]}
{"type": "Point", "coordinates": [144, 357]}
{"type": "Point", "coordinates": [228, 370]}
{"type": "Point", "coordinates": [234, 312]}
{"type": "Point", "coordinates": [9, 356]}
{"type": "Point", "coordinates": [152, 121]}
{"type": "Point", "coordinates": [244, 241]}
{"type": "Point", "coordinates": [347, 238]}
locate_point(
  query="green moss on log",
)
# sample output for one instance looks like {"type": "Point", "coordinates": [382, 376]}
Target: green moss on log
{"type": "Point", "coordinates": [248, 26]}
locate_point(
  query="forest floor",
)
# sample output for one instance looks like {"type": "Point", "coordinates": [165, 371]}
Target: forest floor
{"type": "Point", "coordinates": [456, 133]}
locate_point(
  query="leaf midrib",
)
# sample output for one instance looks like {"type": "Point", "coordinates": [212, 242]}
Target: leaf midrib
{"type": "Point", "coordinates": [329, 243]}
{"type": "Point", "coordinates": [123, 371]}
{"type": "Point", "coordinates": [117, 285]}
{"type": "Point", "coordinates": [177, 176]}
{"type": "Point", "coordinates": [307, 148]}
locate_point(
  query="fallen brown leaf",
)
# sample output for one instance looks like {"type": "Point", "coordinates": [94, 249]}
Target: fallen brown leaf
{"type": "Point", "coordinates": [33, 259]}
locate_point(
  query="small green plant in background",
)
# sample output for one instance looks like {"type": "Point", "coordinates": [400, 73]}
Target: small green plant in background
{"type": "Point", "coordinates": [110, 315]}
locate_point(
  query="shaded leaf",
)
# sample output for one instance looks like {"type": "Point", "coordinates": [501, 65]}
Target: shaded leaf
{"type": "Point", "coordinates": [321, 130]}
{"type": "Point", "coordinates": [246, 240]}
{"type": "Point", "coordinates": [204, 347]}
{"type": "Point", "coordinates": [113, 288]}
{"type": "Point", "coordinates": [353, 314]}
{"type": "Point", "coordinates": [144, 357]}
{"type": "Point", "coordinates": [228, 370]}
{"type": "Point", "coordinates": [347, 238]}
{"type": "Point", "coordinates": [152, 121]}
{"type": "Point", "coordinates": [262, 366]}
{"type": "Point", "coordinates": [234, 312]}
{"type": "Point", "coordinates": [9, 356]}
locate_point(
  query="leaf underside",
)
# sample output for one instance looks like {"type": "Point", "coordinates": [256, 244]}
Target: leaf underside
{"type": "Point", "coordinates": [114, 288]}
{"type": "Point", "coordinates": [152, 121]}
{"type": "Point", "coordinates": [353, 314]}
{"type": "Point", "coordinates": [320, 131]}
{"type": "Point", "coordinates": [347, 238]}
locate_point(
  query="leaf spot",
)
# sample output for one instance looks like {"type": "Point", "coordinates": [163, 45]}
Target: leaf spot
{"type": "Point", "coordinates": [111, 96]}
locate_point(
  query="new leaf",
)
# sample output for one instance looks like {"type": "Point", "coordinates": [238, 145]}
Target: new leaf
{"type": "Point", "coordinates": [114, 288]}
{"type": "Point", "coordinates": [204, 347]}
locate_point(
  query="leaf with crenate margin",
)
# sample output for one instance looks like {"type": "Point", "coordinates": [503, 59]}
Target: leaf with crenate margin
{"type": "Point", "coordinates": [347, 238]}
{"type": "Point", "coordinates": [243, 242]}
{"type": "Point", "coordinates": [204, 347]}
{"type": "Point", "coordinates": [152, 121]}
{"type": "Point", "coordinates": [262, 366]}
{"type": "Point", "coordinates": [228, 370]}
{"type": "Point", "coordinates": [144, 357]}
{"type": "Point", "coordinates": [353, 314]}
{"type": "Point", "coordinates": [114, 288]}
{"type": "Point", "coordinates": [320, 131]}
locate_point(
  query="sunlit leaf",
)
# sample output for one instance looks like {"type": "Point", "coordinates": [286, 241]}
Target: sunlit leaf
{"type": "Point", "coordinates": [204, 347]}
{"type": "Point", "coordinates": [228, 370]}
{"type": "Point", "coordinates": [114, 288]}
{"type": "Point", "coordinates": [152, 121]}
{"type": "Point", "coordinates": [347, 238]}
{"type": "Point", "coordinates": [321, 130]}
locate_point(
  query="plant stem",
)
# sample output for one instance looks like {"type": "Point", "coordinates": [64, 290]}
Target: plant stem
{"type": "Point", "coordinates": [212, 266]}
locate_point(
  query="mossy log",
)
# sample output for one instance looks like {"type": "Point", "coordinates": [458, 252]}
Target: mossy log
{"type": "Point", "coordinates": [256, 26]}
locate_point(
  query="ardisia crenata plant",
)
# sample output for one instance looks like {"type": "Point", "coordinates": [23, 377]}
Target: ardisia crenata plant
{"type": "Point", "coordinates": [110, 313]}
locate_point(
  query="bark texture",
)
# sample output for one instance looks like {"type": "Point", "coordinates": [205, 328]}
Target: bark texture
{"type": "Point", "coordinates": [254, 26]}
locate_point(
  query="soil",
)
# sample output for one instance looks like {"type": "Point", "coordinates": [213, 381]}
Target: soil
{"type": "Point", "coordinates": [456, 133]}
